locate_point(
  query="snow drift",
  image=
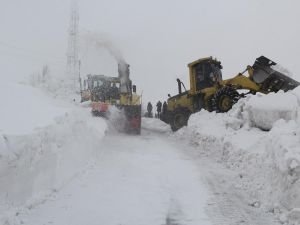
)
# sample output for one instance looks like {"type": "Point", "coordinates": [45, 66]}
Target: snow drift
{"type": "Point", "coordinates": [42, 148]}
{"type": "Point", "coordinates": [264, 111]}
{"type": "Point", "coordinates": [258, 139]}
{"type": "Point", "coordinates": [38, 163]}
{"type": "Point", "coordinates": [24, 108]}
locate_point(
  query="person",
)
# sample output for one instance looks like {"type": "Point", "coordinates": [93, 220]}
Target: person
{"type": "Point", "coordinates": [163, 116]}
{"type": "Point", "coordinates": [165, 107]}
{"type": "Point", "coordinates": [114, 92]}
{"type": "Point", "coordinates": [149, 109]}
{"type": "Point", "coordinates": [158, 107]}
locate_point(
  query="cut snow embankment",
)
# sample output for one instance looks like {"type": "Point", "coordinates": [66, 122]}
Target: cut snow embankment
{"type": "Point", "coordinates": [265, 110]}
{"type": "Point", "coordinates": [267, 163]}
{"type": "Point", "coordinates": [24, 108]}
{"type": "Point", "coordinates": [43, 144]}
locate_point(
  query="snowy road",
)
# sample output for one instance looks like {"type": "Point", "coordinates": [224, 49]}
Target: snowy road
{"type": "Point", "coordinates": [133, 181]}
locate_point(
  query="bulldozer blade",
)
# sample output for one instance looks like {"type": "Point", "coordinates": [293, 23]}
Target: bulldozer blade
{"type": "Point", "coordinates": [270, 79]}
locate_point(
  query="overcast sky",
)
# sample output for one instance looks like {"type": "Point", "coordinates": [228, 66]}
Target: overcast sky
{"type": "Point", "coordinates": [157, 38]}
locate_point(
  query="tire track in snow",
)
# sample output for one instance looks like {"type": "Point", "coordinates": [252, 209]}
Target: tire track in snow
{"type": "Point", "coordinates": [136, 181]}
{"type": "Point", "coordinates": [227, 206]}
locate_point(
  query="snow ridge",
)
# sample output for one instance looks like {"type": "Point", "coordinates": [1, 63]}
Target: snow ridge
{"type": "Point", "coordinates": [258, 140]}
{"type": "Point", "coordinates": [36, 164]}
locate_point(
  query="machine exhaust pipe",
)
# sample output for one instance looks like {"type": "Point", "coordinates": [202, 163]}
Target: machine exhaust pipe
{"type": "Point", "coordinates": [179, 86]}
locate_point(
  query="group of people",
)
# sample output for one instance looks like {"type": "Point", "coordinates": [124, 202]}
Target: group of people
{"type": "Point", "coordinates": [161, 109]}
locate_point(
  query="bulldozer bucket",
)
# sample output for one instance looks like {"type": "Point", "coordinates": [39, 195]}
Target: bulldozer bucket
{"type": "Point", "coordinates": [269, 78]}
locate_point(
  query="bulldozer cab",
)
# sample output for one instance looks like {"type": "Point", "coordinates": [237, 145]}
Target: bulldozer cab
{"type": "Point", "coordinates": [204, 73]}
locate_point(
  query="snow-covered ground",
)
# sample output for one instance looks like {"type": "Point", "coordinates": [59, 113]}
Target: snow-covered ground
{"type": "Point", "coordinates": [130, 183]}
{"type": "Point", "coordinates": [258, 142]}
{"type": "Point", "coordinates": [43, 144]}
{"type": "Point", "coordinates": [60, 165]}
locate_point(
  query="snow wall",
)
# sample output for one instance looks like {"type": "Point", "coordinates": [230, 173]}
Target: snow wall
{"type": "Point", "coordinates": [38, 163]}
{"type": "Point", "coordinates": [259, 139]}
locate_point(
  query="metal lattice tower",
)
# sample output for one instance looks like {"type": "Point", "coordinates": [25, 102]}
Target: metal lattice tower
{"type": "Point", "coordinates": [72, 51]}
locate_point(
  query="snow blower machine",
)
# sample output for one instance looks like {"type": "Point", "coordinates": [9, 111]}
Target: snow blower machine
{"type": "Point", "coordinates": [107, 92]}
{"type": "Point", "coordinates": [209, 91]}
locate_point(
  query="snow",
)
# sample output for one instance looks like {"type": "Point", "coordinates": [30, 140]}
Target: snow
{"type": "Point", "coordinates": [44, 143]}
{"type": "Point", "coordinates": [155, 125]}
{"type": "Point", "coordinates": [258, 141]}
{"type": "Point", "coordinates": [25, 108]}
{"type": "Point", "coordinates": [264, 111]}
{"type": "Point", "coordinates": [136, 185]}
{"type": "Point", "coordinates": [60, 165]}
{"type": "Point", "coordinates": [69, 167]}
{"type": "Point", "coordinates": [35, 164]}
{"type": "Point", "coordinates": [282, 70]}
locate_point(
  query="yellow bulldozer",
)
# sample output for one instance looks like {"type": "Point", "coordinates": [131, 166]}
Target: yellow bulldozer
{"type": "Point", "coordinates": [209, 91]}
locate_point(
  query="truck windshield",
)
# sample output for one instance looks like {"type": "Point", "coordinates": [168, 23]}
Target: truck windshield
{"type": "Point", "coordinates": [97, 83]}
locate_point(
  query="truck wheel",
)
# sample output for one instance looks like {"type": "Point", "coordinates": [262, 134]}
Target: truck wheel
{"type": "Point", "coordinates": [179, 118]}
{"type": "Point", "coordinates": [225, 98]}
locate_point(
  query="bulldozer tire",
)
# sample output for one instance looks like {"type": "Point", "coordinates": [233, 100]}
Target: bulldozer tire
{"type": "Point", "coordinates": [210, 104]}
{"type": "Point", "coordinates": [179, 118]}
{"type": "Point", "coordinates": [225, 98]}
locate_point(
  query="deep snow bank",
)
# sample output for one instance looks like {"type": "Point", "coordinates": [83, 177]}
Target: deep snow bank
{"type": "Point", "coordinates": [43, 161]}
{"type": "Point", "coordinates": [265, 110]}
{"type": "Point", "coordinates": [267, 164]}
{"type": "Point", "coordinates": [24, 108]}
{"type": "Point", "coordinates": [43, 144]}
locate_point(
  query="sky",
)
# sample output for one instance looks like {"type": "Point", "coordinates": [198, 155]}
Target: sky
{"type": "Point", "coordinates": [157, 38]}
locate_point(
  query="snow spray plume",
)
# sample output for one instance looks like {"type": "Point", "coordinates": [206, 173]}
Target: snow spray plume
{"type": "Point", "coordinates": [101, 41]}
{"type": "Point", "coordinates": [116, 120]}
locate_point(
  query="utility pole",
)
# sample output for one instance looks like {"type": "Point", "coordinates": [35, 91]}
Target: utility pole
{"type": "Point", "coordinates": [79, 77]}
{"type": "Point", "coordinates": [72, 51]}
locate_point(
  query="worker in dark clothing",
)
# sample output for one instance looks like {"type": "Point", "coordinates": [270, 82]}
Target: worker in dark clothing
{"type": "Point", "coordinates": [158, 107]}
{"type": "Point", "coordinates": [114, 91]}
{"type": "Point", "coordinates": [165, 106]}
{"type": "Point", "coordinates": [149, 109]}
{"type": "Point", "coordinates": [163, 115]}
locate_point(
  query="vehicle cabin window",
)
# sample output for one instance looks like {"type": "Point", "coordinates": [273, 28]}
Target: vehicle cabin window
{"type": "Point", "coordinates": [217, 73]}
{"type": "Point", "coordinates": [202, 73]}
{"type": "Point", "coordinates": [115, 84]}
{"type": "Point", "coordinates": [97, 83]}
